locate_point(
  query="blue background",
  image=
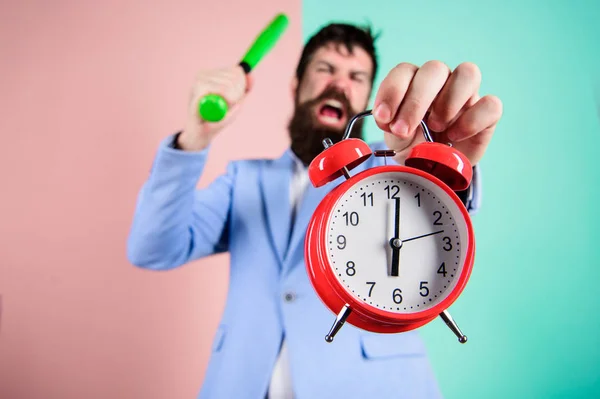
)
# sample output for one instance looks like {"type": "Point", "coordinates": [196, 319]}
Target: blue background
{"type": "Point", "coordinates": [531, 307]}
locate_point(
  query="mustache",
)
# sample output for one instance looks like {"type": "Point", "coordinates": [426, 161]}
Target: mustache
{"type": "Point", "coordinates": [334, 94]}
{"type": "Point", "coordinates": [307, 133]}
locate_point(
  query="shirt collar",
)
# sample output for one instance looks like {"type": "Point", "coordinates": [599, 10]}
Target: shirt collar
{"type": "Point", "coordinates": [298, 164]}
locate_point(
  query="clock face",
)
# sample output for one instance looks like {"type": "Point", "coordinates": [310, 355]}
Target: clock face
{"type": "Point", "coordinates": [397, 242]}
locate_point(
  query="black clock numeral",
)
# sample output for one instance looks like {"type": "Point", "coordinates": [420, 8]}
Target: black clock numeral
{"type": "Point", "coordinates": [437, 221]}
{"type": "Point", "coordinates": [372, 285]}
{"type": "Point", "coordinates": [395, 189]}
{"type": "Point", "coordinates": [351, 218]}
{"type": "Point", "coordinates": [442, 269]}
{"type": "Point", "coordinates": [448, 245]}
{"type": "Point", "coordinates": [367, 198]}
{"type": "Point", "coordinates": [424, 287]}
{"type": "Point", "coordinates": [418, 197]}
{"type": "Point", "coordinates": [350, 268]}
{"type": "Point", "coordinates": [341, 240]}
{"type": "Point", "coordinates": [396, 295]}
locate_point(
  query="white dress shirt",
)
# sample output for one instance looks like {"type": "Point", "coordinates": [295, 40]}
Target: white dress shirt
{"type": "Point", "coordinates": [281, 379]}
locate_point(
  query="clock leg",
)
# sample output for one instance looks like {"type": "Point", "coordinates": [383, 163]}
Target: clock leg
{"type": "Point", "coordinates": [452, 324]}
{"type": "Point", "coordinates": [339, 322]}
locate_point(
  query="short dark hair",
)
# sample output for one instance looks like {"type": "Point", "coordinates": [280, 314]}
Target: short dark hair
{"type": "Point", "coordinates": [339, 33]}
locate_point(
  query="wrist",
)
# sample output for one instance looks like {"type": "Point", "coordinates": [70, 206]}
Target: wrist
{"type": "Point", "coordinates": [187, 142]}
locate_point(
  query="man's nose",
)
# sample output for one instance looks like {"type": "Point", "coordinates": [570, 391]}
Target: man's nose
{"type": "Point", "coordinates": [342, 84]}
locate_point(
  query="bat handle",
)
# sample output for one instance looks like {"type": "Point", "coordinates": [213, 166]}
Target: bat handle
{"type": "Point", "coordinates": [213, 107]}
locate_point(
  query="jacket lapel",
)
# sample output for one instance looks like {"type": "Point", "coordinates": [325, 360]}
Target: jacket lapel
{"type": "Point", "coordinates": [311, 200]}
{"type": "Point", "coordinates": [275, 188]}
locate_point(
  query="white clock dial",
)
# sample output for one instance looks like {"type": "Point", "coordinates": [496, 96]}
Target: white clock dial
{"type": "Point", "coordinates": [403, 264]}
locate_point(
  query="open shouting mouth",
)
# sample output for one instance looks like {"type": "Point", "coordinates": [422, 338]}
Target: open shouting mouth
{"type": "Point", "coordinates": [331, 113]}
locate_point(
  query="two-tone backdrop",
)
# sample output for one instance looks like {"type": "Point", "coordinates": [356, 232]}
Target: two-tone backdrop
{"type": "Point", "coordinates": [88, 91]}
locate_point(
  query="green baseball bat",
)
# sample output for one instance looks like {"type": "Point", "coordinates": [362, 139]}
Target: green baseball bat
{"type": "Point", "coordinates": [213, 107]}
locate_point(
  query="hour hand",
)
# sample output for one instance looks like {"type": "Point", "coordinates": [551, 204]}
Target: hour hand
{"type": "Point", "coordinates": [395, 258]}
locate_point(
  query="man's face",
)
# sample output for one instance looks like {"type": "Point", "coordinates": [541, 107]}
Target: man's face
{"type": "Point", "coordinates": [333, 67]}
{"type": "Point", "coordinates": [336, 85]}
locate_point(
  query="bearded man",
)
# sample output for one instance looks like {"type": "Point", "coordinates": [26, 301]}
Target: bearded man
{"type": "Point", "coordinates": [270, 339]}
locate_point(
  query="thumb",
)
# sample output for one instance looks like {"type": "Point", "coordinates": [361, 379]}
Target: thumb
{"type": "Point", "coordinates": [397, 143]}
{"type": "Point", "coordinates": [401, 146]}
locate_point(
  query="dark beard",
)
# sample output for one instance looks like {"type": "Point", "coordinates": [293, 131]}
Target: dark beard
{"type": "Point", "coordinates": [307, 134]}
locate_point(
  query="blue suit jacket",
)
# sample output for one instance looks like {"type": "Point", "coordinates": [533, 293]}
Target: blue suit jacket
{"type": "Point", "coordinates": [246, 211]}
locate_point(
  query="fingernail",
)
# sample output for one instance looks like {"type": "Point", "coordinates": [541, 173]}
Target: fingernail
{"type": "Point", "coordinates": [382, 112]}
{"type": "Point", "coordinates": [436, 125]}
{"type": "Point", "coordinates": [400, 128]}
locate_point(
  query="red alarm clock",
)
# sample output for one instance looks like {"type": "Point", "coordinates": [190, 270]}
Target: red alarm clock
{"type": "Point", "coordinates": [391, 248]}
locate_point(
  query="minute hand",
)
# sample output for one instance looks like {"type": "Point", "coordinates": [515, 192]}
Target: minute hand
{"type": "Point", "coordinates": [424, 235]}
{"type": "Point", "coordinates": [395, 243]}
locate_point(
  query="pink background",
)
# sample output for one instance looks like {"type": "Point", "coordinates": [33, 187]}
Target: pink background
{"type": "Point", "coordinates": [88, 91]}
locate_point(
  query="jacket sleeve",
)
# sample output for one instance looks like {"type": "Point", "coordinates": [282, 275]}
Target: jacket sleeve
{"type": "Point", "coordinates": [471, 197]}
{"type": "Point", "coordinates": [174, 222]}
{"type": "Point", "coordinates": [474, 201]}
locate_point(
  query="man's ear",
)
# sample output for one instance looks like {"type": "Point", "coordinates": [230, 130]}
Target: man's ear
{"type": "Point", "coordinates": [294, 87]}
